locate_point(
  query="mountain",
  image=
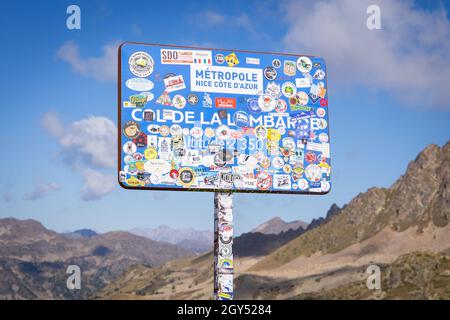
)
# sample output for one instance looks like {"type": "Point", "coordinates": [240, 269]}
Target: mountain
{"type": "Point", "coordinates": [33, 259]}
{"type": "Point", "coordinates": [277, 225]}
{"type": "Point", "coordinates": [404, 229]}
{"type": "Point", "coordinates": [82, 233]}
{"type": "Point", "coordinates": [419, 198]}
{"type": "Point", "coordinates": [195, 240]}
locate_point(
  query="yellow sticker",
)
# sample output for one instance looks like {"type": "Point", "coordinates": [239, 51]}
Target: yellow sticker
{"type": "Point", "coordinates": [133, 181]}
{"type": "Point", "coordinates": [150, 153]}
{"type": "Point", "coordinates": [186, 176]}
{"type": "Point", "coordinates": [273, 135]}
{"type": "Point", "coordinates": [139, 165]}
{"type": "Point", "coordinates": [232, 59]}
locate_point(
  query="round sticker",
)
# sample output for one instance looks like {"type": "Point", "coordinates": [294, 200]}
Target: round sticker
{"type": "Point", "coordinates": [261, 132]}
{"type": "Point", "coordinates": [304, 64]}
{"type": "Point", "coordinates": [139, 84]}
{"type": "Point", "coordinates": [164, 130]}
{"type": "Point", "coordinates": [192, 99]}
{"type": "Point", "coordinates": [186, 176]}
{"type": "Point", "coordinates": [311, 157]}
{"type": "Point", "coordinates": [313, 173]}
{"type": "Point", "coordinates": [320, 112]}
{"type": "Point", "coordinates": [173, 174]}
{"type": "Point", "coordinates": [281, 106]}
{"type": "Point", "coordinates": [266, 102]}
{"type": "Point", "coordinates": [263, 180]}
{"type": "Point", "coordinates": [288, 143]}
{"type": "Point", "coordinates": [141, 64]}
{"type": "Point", "coordinates": [270, 73]}
{"type": "Point", "coordinates": [273, 135]}
{"type": "Point", "coordinates": [209, 132]}
{"type": "Point", "coordinates": [150, 153]}
{"type": "Point", "coordinates": [186, 131]}
{"type": "Point", "coordinates": [323, 137]}
{"type": "Point", "coordinates": [278, 163]}
{"type": "Point", "coordinates": [241, 119]}
{"type": "Point", "coordinates": [303, 184]}
{"type": "Point", "coordinates": [276, 63]}
{"type": "Point", "coordinates": [196, 132]}
{"type": "Point", "coordinates": [222, 157]}
{"type": "Point", "coordinates": [253, 105]}
{"type": "Point", "coordinates": [282, 130]}
{"type": "Point", "coordinates": [219, 58]}
{"type": "Point", "coordinates": [302, 98]}
{"type": "Point", "coordinates": [323, 102]}
{"type": "Point", "coordinates": [287, 169]}
{"type": "Point", "coordinates": [223, 132]}
{"type": "Point", "coordinates": [131, 129]}
{"type": "Point", "coordinates": [325, 186]}
{"type": "Point", "coordinates": [179, 101]}
{"type": "Point", "coordinates": [175, 130]}
{"type": "Point", "coordinates": [288, 89]}
{"type": "Point", "coordinates": [322, 124]}
{"type": "Point", "coordinates": [129, 147]}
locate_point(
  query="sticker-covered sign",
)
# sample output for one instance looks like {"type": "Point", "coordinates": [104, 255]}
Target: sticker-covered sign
{"type": "Point", "coordinates": [216, 119]}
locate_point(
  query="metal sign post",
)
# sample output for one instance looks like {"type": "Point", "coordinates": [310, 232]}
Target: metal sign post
{"type": "Point", "coordinates": [223, 246]}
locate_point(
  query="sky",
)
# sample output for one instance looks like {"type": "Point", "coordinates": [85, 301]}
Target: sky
{"type": "Point", "coordinates": [388, 99]}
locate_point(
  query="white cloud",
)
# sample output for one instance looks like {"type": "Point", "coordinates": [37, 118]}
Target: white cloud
{"type": "Point", "coordinates": [41, 191]}
{"type": "Point", "coordinates": [96, 185]}
{"type": "Point", "coordinates": [103, 68]}
{"type": "Point", "coordinates": [88, 146]}
{"type": "Point", "coordinates": [408, 57]}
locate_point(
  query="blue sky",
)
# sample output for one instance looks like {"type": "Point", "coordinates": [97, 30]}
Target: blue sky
{"type": "Point", "coordinates": [388, 100]}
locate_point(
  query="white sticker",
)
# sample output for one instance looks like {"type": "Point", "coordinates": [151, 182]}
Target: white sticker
{"type": "Point", "coordinates": [226, 80]}
{"type": "Point", "coordinates": [175, 56]}
{"type": "Point", "coordinates": [174, 83]}
{"type": "Point", "coordinates": [139, 84]}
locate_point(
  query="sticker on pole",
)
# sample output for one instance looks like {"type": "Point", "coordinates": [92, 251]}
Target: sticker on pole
{"type": "Point", "coordinates": [222, 120]}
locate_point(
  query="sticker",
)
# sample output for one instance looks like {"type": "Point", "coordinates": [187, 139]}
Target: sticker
{"type": "Point", "coordinates": [277, 163]}
{"type": "Point", "coordinates": [219, 58]}
{"type": "Point", "coordinates": [325, 186]}
{"type": "Point", "coordinates": [192, 99]}
{"type": "Point", "coordinates": [241, 119]}
{"type": "Point", "coordinates": [250, 60]}
{"type": "Point", "coordinates": [323, 102]}
{"type": "Point", "coordinates": [175, 130]}
{"type": "Point", "coordinates": [150, 153]}
{"type": "Point", "coordinates": [183, 56]}
{"type": "Point", "coordinates": [186, 176]}
{"type": "Point", "coordinates": [264, 180]}
{"type": "Point", "coordinates": [273, 135]}
{"type": "Point", "coordinates": [207, 101]}
{"type": "Point", "coordinates": [131, 129]}
{"type": "Point", "coordinates": [273, 89]}
{"type": "Point", "coordinates": [196, 132]}
{"type": "Point", "coordinates": [276, 63]}
{"type": "Point", "coordinates": [232, 59]}
{"type": "Point", "coordinates": [303, 82]}
{"type": "Point", "coordinates": [223, 157]}
{"type": "Point", "coordinates": [303, 184]}
{"type": "Point", "coordinates": [148, 115]}
{"type": "Point", "coordinates": [288, 89]}
{"type": "Point", "coordinates": [223, 132]}
{"type": "Point", "coordinates": [313, 173]}
{"type": "Point", "coordinates": [164, 130]}
{"type": "Point", "coordinates": [320, 112]}
{"type": "Point", "coordinates": [281, 106]}
{"type": "Point", "coordinates": [229, 103]}
{"type": "Point", "coordinates": [209, 132]}
{"type": "Point", "coordinates": [164, 99]}
{"type": "Point", "coordinates": [141, 64]}
{"type": "Point", "coordinates": [323, 137]}
{"type": "Point", "coordinates": [266, 103]}
{"type": "Point", "coordinates": [282, 181]}
{"type": "Point", "coordinates": [174, 83]}
{"type": "Point", "coordinates": [319, 74]}
{"type": "Point", "coordinates": [153, 128]}
{"type": "Point", "coordinates": [253, 105]}
{"type": "Point", "coordinates": [139, 84]}
{"type": "Point", "coordinates": [270, 73]}
{"type": "Point", "coordinates": [301, 98]}
{"type": "Point", "coordinates": [140, 140]}
{"type": "Point", "coordinates": [129, 147]}
{"type": "Point", "coordinates": [311, 157]}
{"type": "Point", "coordinates": [179, 101]}
{"type": "Point", "coordinates": [289, 68]}
{"type": "Point", "coordinates": [261, 132]}
{"type": "Point", "coordinates": [304, 64]}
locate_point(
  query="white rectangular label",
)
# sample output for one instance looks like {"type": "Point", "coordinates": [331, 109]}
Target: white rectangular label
{"type": "Point", "coordinates": [226, 80]}
{"type": "Point", "coordinates": [175, 56]}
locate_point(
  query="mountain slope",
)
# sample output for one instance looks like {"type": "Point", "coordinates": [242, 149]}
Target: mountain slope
{"type": "Point", "coordinates": [420, 197]}
{"type": "Point", "coordinates": [33, 257]}
{"type": "Point", "coordinates": [277, 225]}
{"type": "Point", "coordinates": [196, 240]}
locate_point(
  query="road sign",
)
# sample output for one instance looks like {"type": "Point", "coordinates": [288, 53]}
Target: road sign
{"type": "Point", "coordinates": [202, 119]}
